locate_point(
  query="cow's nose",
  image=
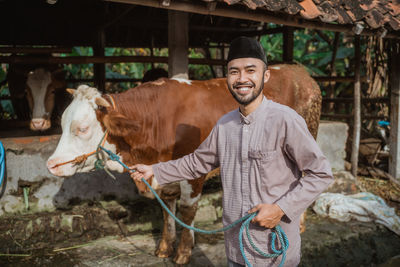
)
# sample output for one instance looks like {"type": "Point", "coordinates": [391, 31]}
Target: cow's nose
{"type": "Point", "coordinates": [52, 167]}
{"type": "Point", "coordinates": [37, 124]}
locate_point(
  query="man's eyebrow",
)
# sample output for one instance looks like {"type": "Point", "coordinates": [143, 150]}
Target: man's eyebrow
{"type": "Point", "coordinates": [246, 67]}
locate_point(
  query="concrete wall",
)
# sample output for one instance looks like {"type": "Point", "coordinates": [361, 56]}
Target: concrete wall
{"type": "Point", "coordinates": [332, 137]}
{"type": "Point", "coordinates": [26, 166]}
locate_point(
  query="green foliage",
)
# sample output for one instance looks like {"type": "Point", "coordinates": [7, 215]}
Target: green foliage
{"type": "Point", "coordinates": [199, 72]}
{"type": "Point", "coordinates": [272, 45]}
{"type": "Point", "coordinates": [77, 71]}
{"type": "Point", "coordinates": [310, 49]}
{"type": "Point", "coordinates": [3, 74]}
{"type": "Point", "coordinates": [5, 105]}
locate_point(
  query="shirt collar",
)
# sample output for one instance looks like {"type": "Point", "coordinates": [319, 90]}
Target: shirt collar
{"type": "Point", "coordinates": [255, 114]}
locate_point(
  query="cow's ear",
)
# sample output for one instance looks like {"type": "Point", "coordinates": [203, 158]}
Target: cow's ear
{"type": "Point", "coordinates": [119, 125]}
{"type": "Point", "coordinates": [71, 91]}
{"type": "Point", "coordinates": [102, 102]}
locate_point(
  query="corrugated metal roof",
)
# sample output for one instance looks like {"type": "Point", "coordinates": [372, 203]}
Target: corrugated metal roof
{"type": "Point", "coordinates": [372, 13]}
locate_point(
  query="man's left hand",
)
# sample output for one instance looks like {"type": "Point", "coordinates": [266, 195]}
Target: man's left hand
{"type": "Point", "coordinates": [269, 215]}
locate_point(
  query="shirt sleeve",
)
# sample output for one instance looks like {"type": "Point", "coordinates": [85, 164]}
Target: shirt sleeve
{"type": "Point", "coordinates": [303, 150]}
{"type": "Point", "coordinates": [203, 160]}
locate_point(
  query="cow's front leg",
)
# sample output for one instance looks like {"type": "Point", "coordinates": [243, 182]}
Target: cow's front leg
{"type": "Point", "coordinates": [166, 246]}
{"type": "Point", "coordinates": [190, 195]}
{"type": "Point", "coordinates": [303, 222]}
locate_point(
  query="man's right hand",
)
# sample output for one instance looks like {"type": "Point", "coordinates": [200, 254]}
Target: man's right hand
{"type": "Point", "coordinates": [141, 171]}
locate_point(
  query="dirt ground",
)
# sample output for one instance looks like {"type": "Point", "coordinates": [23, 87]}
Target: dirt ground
{"type": "Point", "coordinates": [107, 234]}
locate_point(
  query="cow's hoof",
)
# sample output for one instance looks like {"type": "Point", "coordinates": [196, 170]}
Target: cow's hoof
{"type": "Point", "coordinates": [182, 259]}
{"type": "Point", "coordinates": [164, 250]}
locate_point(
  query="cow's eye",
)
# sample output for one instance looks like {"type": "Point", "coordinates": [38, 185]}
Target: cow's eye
{"type": "Point", "coordinates": [83, 130]}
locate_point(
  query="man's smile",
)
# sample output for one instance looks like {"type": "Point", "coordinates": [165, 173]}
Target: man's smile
{"type": "Point", "coordinates": [244, 89]}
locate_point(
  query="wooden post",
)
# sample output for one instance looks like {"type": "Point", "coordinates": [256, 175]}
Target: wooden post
{"type": "Point", "coordinates": [178, 44]}
{"type": "Point", "coordinates": [331, 87]}
{"type": "Point", "coordinates": [288, 44]}
{"type": "Point", "coordinates": [224, 55]}
{"type": "Point", "coordinates": [102, 59]}
{"type": "Point", "coordinates": [208, 56]}
{"type": "Point", "coordinates": [99, 69]}
{"type": "Point", "coordinates": [394, 157]}
{"type": "Point", "coordinates": [356, 108]}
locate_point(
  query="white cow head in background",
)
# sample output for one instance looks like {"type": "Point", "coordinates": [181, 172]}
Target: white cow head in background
{"type": "Point", "coordinates": [41, 86]}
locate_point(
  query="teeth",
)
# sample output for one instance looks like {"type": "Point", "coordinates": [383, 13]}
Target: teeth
{"type": "Point", "coordinates": [244, 88]}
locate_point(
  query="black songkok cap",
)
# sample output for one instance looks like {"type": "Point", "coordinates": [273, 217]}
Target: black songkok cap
{"type": "Point", "coordinates": [243, 47]}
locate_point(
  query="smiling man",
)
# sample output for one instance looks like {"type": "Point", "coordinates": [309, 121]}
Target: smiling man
{"type": "Point", "coordinates": [269, 161]}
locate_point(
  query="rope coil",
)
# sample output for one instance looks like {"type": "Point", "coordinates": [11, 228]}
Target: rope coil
{"type": "Point", "coordinates": [277, 231]}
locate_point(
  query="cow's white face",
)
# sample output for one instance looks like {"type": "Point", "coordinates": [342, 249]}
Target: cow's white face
{"type": "Point", "coordinates": [81, 133]}
{"type": "Point", "coordinates": [37, 83]}
{"type": "Point", "coordinates": [40, 86]}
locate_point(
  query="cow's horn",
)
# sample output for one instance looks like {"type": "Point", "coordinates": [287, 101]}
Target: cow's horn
{"type": "Point", "coordinates": [71, 91]}
{"type": "Point", "coordinates": [102, 102]}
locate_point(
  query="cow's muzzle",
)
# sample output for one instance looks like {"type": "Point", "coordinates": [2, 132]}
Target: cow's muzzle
{"type": "Point", "coordinates": [40, 124]}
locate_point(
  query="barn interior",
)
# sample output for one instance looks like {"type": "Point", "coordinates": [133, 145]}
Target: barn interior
{"type": "Point", "coordinates": [34, 28]}
{"type": "Point", "coordinates": [77, 23]}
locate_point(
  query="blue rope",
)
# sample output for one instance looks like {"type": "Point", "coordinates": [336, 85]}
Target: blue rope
{"type": "Point", "coordinates": [3, 180]}
{"type": "Point", "coordinates": [277, 231]}
{"type": "Point", "coordinates": [2, 163]}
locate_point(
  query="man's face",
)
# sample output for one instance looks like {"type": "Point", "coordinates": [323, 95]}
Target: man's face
{"type": "Point", "coordinates": [245, 79]}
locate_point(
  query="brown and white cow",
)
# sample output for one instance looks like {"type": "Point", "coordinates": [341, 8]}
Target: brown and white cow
{"type": "Point", "coordinates": [35, 90]}
{"type": "Point", "coordinates": [164, 120]}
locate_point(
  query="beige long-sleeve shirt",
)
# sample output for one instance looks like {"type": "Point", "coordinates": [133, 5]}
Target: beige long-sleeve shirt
{"type": "Point", "coordinates": [263, 158]}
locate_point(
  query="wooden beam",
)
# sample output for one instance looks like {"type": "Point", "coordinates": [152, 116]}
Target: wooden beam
{"type": "Point", "coordinates": [288, 44]}
{"type": "Point", "coordinates": [245, 31]}
{"type": "Point", "coordinates": [272, 30]}
{"type": "Point", "coordinates": [356, 108]}
{"type": "Point", "coordinates": [239, 12]}
{"type": "Point", "coordinates": [10, 124]}
{"type": "Point", "coordinates": [99, 69]}
{"type": "Point", "coordinates": [349, 116]}
{"type": "Point", "coordinates": [102, 59]}
{"type": "Point", "coordinates": [113, 80]}
{"type": "Point", "coordinates": [34, 50]}
{"type": "Point", "coordinates": [394, 158]}
{"type": "Point", "coordinates": [178, 44]}
{"type": "Point", "coordinates": [338, 79]}
{"type": "Point", "coordinates": [330, 90]}
{"type": "Point", "coordinates": [363, 100]}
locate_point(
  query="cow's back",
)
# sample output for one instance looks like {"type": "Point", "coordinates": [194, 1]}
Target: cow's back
{"type": "Point", "coordinates": [202, 103]}
{"type": "Point", "coordinates": [176, 116]}
{"type": "Point", "coordinates": [293, 86]}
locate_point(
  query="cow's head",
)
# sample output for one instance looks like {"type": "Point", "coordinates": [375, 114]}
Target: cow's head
{"type": "Point", "coordinates": [41, 86]}
{"type": "Point", "coordinates": [82, 131]}
{"type": "Point", "coordinates": [81, 134]}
